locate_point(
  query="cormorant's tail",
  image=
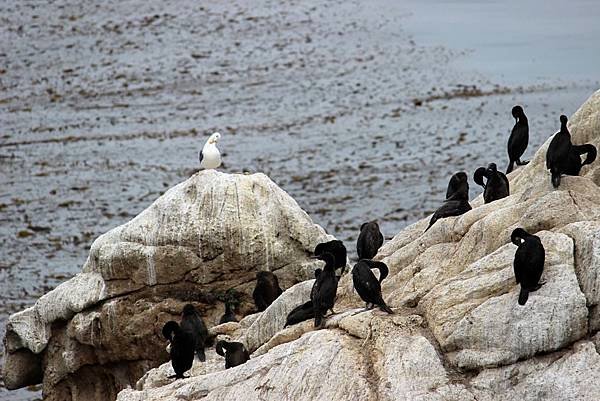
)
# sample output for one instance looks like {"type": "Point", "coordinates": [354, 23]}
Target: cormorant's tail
{"type": "Point", "coordinates": [200, 354]}
{"type": "Point", "coordinates": [385, 308]}
{"type": "Point", "coordinates": [300, 314]}
{"type": "Point", "coordinates": [510, 167]}
{"type": "Point", "coordinates": [431, 222]}
{"type": "Point", "coordinates": [523, 296]}
{"type": "Point", "coordinates": [555, 178]}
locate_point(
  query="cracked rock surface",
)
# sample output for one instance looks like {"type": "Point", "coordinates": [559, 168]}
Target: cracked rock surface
{"type": "Point", "coordinates": [457, 333]}
{"type": "Point", "coordinates": [100, 331]}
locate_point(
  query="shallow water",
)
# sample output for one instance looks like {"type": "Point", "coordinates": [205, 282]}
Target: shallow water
{"type": "Point", "coordinates": [356, 109]}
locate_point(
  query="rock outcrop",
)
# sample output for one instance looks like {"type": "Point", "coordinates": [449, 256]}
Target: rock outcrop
{"type": "Point", "coordinates": [457, 333]}
{"type": "Point", "coordinates": [101, 331]}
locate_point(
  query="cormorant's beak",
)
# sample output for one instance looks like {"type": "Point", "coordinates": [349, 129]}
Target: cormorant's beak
{"type": "Point", "coordinates": [313, 257]}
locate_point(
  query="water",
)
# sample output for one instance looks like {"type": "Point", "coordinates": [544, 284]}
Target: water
{"type": "Point", "coordinates": [104, 105]}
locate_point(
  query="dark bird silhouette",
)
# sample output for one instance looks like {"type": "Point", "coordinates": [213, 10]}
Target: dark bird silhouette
{"type": "Point", "coordinates": [337, 249]}
{"type": "Point", "coordinates": [457, 203]}
{"type": "Point", "coordinates": [300, 313]}
{"type": "Point", "coordinates": [575, 164]}
{"type": "Point", "coordinates": [458, 183]}
{"type": "Point", "coordinates": [557, 156]}
{"type": "Point", "coordinates": [496, 185]}
{"type": "Point", "coordinates": [266, 291]}
{"type": "Point", "coordinates": [369, 240]}
{"type": "Point", "coordinates": [182, 348]}
{"type": "Point", "coordinates": [528, 263]}
{"type": "Point", "coordinates": [305, 311]}
{"type": "Point", "coordinates": [229, 315]}
{"type": "Point", "coordinates": [234, 353]}
{"type": "Point", "coordinates": [192, 322]}
{"type": "Point", "coordinates": [518, 140]}
{"type": "Point", "coordinates": [367, 285]}
{"type": "Point", "coordinates": [324, 289]}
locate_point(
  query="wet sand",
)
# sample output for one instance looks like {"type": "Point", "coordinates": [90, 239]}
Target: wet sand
{"type": "Point", "coordinates": [103, 106]}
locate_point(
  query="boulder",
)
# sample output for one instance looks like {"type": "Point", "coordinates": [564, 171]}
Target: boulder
{"type": "Point", "coordinates": [458, 332]}
{"type": "Point", "coordinates": [101, 331]}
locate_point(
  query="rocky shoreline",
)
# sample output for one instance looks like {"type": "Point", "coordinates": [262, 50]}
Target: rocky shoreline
{"type": "Point", "coordinates": [457, 334]}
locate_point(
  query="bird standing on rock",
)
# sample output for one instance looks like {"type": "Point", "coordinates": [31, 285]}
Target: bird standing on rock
{"type": "Point", "coordinates": [192, 322]}
{"type": "Point", "coordinates": [182, 348]}
{"type": "Point", "coordinates": [557, 156]}
{"type": "Point", "coordinates": [518, 140]}
{"type": "Point", "coordinates": [496, 185]}
{"type": "Point", "coordinates": [266, 291]}
{"type": "Point", "coordinates": [529, 262]}
{"type": "Point", "coordinates": [369, 240]}
{"type": "Point", "coordinates": [209, 156]}
{"type": "Point", "coordinates": [229, 315]}
{"type": "Point", "coordinates": [367, 285]}
{"type": "Point", "coordinates": [457, 203]}
{"type": "Point", "coordinates": [324, 289]}
{"type": "Point", "coordinates": [235, 353]}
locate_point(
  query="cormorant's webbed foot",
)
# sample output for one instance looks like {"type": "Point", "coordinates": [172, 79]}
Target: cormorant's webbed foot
{"type": "Point", "coordinates": [538, 286]}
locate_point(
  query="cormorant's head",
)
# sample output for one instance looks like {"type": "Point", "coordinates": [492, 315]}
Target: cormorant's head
{"type": "Point", "coordinates": [221, 347]}
{"type": "Point", "coordinates": [517, 112]}
{"type": "Point", "coordinates": [263, 275]}
{"type": "Point", "coordinates": [563, 120]}
{"type": "Point", "coordinates": [518, 236]}
{"type": "Point", "coordinates": [370, 223]}
{"type": "Point", "coordinates": [188, 310]}
{"type": "Point", "coordinates": [170, 329]}
{"type": "Point", "coordinates": [320, 248]}
{"type": "Point", "coordinates": [461, 176]}
{"type": "Point", "coordinates": [214, 138]}
{"type": "Point", "coordinates": [326, 257]}
{"type": "Point", "coordinates": [492, 168]}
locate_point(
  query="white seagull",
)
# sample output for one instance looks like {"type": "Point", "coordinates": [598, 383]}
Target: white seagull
{"type": "Point", "coordinates": [210, 157]}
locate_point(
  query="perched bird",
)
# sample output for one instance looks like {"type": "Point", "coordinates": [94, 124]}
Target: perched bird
{"type": "Point", "coordinates": [324, 289]}
{"type": "Point", "coordinates": [337, 249]}
{"type": "Point", "coordinates": [518, 140]}
{"type": "Point", "coordinates": [369, 240]}
{"type": "Point", "coordinates": [210, 157]}
{"type": "Point", "coordinates": [234, 353]}
{"type": "Point", "coordinates": [458, 183]}
{"type": "Point", "coordinates": [300, 313]}
{"type": "Point", "coordinates": [457, 203]}
{"type": "Point", "coordinates": [192, 322]}
{"type": "Point", "coordinates": [528, 263]}
{"type": "Point", "coordinates": [557, 156]}
{"type": "Point", "coordinates": [575, 164]}
{"type": "Point", "coordinates": [367, 285]}
{"type": "Point", "coordinates": [229, 315]}
{"type": "Point", "coordinates": [266, 291]}
{"type": "Point", "coordinates": [496, 185]}
{"type": "Point", "coordinates": [182, 348]}
{"type": "Point", "coordinates": [305, 311]}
